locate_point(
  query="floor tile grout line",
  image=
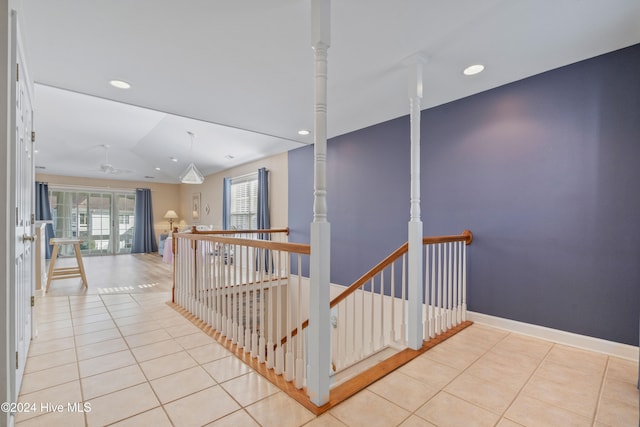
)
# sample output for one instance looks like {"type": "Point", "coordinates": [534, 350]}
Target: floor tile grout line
{"type": "Point", "coordinates": [601, 391]}
{"type": "Point", "coordinates": [148, 382]}
{"type": "Point", "coordinates": [162, 405]}
{"type": "Point", "coordinates": [524, 384]}
{"type": "Point", "coordinates": [221, 384]}
{"type": "Point", "coordinates": [21, 395]}
{"type": "Point", "coordinates": [465, 369]}
{"type": "Point", "coordinates": [555, 345]}
{"type": "Point", "coordinates": [442, 389]}
{"type": "Point", "coordinates": [75, 346]}
{"type": "Point", "coordinates": [538, 367]}
{"type": "Point", "coordinates": [500, 416]}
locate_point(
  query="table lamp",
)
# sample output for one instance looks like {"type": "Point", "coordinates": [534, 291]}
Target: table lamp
{"type": "Point", "coordinates": [171, 215]}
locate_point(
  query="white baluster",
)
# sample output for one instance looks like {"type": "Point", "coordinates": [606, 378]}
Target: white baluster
{"type": "Point", "coordinates": [219, 289]}
{"type": "Point", "coordinates": [439, 326]}
{"type": "Point", "coordinates": [262, 339]}
{"type": "Point", "coordinates": [381, 335]}
{"type": "Point", "coordinates": [270, 315]}
{"type": "Point", "coordinates": [300, 360]}
{"type": "Point", "coordinates": [403, 327]}
{"type": "Point", "coordinates": [456, 280]}
{"type": "Point", "coordinates": [242, 290]}
{"type": "Point", "coordinates": [427, 320]}
{"type": "Point", "coordinates": [289, 360]}
{"type": "Point", "coordinates": [449, 286]}
{"type": "Point", "coordinates": [254, 306]}
{"type": "Point", "coordinates": [338, 332]}
{"type": "Point", "coordinates": [362, 328]}
{"type": "Point", "coordinates": [278, 333]}
{"type": "Point", "coordinates": [464, 285]}
{"type": "Point", "coordinates": [392, 331]}
{"type": "Point", "coordinates": [354, 346]}
{"type": "Point", "coordinates": [371, 317]}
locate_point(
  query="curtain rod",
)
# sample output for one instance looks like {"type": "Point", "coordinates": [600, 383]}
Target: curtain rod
{"type": "Point", "coordinates": [246, 174]}
{"type": "Point", "coordinates": [85, 188]}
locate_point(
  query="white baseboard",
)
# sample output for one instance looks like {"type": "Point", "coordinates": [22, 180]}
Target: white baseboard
{"type": "Point", "coordinates": [611, 348]}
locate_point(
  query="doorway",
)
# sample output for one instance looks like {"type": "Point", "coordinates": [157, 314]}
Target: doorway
{"type": "Point", "coordinates": [104, 220]}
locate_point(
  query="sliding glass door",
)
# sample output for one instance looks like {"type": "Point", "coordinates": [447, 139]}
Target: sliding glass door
{"type": "Point", "coordinates": [103, 220]}
{"type": "Point", "coordinates": [124, 212]}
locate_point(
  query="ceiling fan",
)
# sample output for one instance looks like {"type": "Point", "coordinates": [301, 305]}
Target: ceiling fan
{"type": "Point", "coordinates": [107, 167]}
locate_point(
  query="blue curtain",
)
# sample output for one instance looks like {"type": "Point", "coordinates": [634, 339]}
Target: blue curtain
{"type": "Point", "coordinates": [264, 222]}
{"type": "Point", "coordinates": [43, 212]}
{"type": "Point", "coordinates": [144, 237]}
{"type": "Point", "coordinates": [226, 203]}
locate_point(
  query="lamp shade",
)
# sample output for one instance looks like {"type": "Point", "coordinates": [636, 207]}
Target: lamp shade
{"type": "Point", "coordinates": [191, 175]}
{"type": "Point", "coordinates": [171, 214]}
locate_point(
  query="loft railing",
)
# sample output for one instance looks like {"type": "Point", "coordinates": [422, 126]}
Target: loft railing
{"type": "Point", "coordinates": [368, 319]}
{"type": "Point", "coordinates": [243, 287]}
{"type": "Point", "coordinates": [274, 234]}
{"type": "Point", "coordinates": [250, 291]}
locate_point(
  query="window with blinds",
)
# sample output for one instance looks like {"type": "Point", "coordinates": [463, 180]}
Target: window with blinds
{"type": "Point", "coordinates": [244, 202]}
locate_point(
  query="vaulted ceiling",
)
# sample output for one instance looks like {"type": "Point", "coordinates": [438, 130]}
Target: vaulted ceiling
{"type": "Point", "coordinates": [239, 74]}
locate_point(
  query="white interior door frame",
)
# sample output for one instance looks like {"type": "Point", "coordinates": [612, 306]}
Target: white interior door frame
{"type": "Point", "coordinates": [23, 216]}
{"type": "Point", "coordinates": [15, 214]}
{"type": "Point", "coordinates": [5, 191]}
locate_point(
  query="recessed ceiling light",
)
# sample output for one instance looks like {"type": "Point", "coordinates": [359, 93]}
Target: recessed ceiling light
{"type": "Point", "coordinates": [157, 169]}
{"type": "Point", "coordinates": [473, 69]}
{"type": "Point", "coordinates": [173, 159]}
{"type": "Point", "coordinates": [120, 84]}
{"type": "Point", "coordinates": [303, 132]}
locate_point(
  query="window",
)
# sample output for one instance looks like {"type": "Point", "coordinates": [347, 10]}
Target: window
{"type": "Point", "coordinates": [103, 220]}
{"type": "Point", "coordinates": [243, 211]}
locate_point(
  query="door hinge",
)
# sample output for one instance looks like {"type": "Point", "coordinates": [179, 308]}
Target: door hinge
{"type": "Point", "coordinates": [17, 366]}
{"type": "Point", "coordinates": [33, 301]}
{"type": "Point", "coordinates": [33, 218]}
{"type": "Point", "coordinates": [33, 136]}
{"type": "Point", "coordinates": [17, 72]}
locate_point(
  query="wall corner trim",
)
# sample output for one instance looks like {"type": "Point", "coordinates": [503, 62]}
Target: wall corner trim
{"type": "Point", "coordinates": [611, 348]}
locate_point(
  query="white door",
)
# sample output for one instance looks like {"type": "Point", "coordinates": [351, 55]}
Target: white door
{"type": "Point", "coordinates": [22, 274]}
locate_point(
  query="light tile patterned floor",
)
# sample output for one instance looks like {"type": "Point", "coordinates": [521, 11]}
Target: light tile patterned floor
{"type": "Point", "coordinates": [136, 362]}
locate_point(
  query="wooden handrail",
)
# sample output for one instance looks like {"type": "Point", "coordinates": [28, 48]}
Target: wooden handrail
{"type": "Point", "coordinates": [466, 236]}
{"type": "Point", "coordinates": [370, 274]}
{"type": "Point", "coordinates": [298, 248]}
{"type": "Point", "coordinates": [194, 230]}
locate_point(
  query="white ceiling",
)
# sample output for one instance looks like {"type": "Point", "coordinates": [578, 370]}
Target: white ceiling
{"type": "Point", "coordinates": [240, 73]}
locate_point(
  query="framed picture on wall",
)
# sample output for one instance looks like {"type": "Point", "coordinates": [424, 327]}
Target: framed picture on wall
{"type": "Point", "coordinates": [195, 207]}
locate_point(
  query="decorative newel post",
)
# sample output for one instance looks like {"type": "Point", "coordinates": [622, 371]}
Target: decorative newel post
{"type": "Point", "coordinates": [414, 311]}
{"type": "Point", "coordinates": [319, 326]}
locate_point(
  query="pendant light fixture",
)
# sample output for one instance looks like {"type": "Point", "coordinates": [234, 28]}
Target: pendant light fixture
{"type": "Point", "coordinates": [191, 175]}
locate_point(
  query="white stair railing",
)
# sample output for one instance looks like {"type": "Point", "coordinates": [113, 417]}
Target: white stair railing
{"type": "Point", "coordinates": [369, 317]}
{"type": "Point", "coordinates": [247, 291]}
{"type": "Point", "coordinates": [252, 293]}
{"type": "Point", "coordinates": [445, 287]}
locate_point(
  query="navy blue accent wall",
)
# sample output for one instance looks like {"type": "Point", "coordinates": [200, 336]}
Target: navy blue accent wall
{"type": "Point", "coordinates": [545, 173]}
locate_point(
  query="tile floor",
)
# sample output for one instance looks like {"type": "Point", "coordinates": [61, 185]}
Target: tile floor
{"type": "Point", "coordinates": [135, 361]}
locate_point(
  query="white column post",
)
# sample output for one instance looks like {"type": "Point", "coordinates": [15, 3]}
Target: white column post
{"type": "Point", "coordinates": [414, 312]}
{"type": "Point", "coordinates": [319, 327]}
